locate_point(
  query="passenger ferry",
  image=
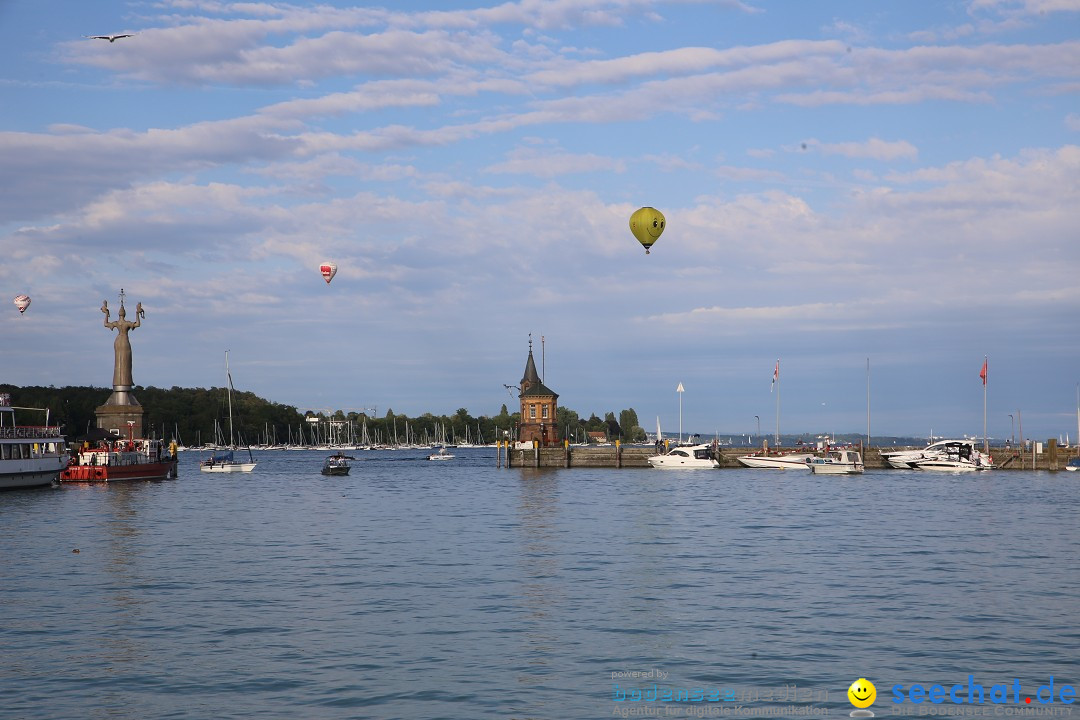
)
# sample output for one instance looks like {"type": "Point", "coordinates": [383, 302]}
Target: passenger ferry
{"type": "Point", "coordinates": [30, 455]}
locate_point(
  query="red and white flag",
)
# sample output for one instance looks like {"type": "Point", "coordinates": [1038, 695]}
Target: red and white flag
{"type": "Point", "coordinates": [775, 375]}
{"type": "Point", "coordinates": [982, 373]}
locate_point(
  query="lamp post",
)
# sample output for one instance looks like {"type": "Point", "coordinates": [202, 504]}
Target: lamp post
{"type": "Point", "coordinates": [758, 418]}
{"type": "Point", "coordinates": [680, 390]}
{"type": "Point", "coordinates": [1012, 430]}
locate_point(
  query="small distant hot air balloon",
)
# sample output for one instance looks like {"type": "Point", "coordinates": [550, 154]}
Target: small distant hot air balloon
{"type": "Point", "coordinates": [328, 270]}
{"type": "Point", "coordinates": [22, 302]}
{"type": "Point", "coordinates": [647, 224]}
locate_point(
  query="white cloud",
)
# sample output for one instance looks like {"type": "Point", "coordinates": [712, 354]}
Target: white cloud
{"type": "Point", "coordinates": [873, 149]}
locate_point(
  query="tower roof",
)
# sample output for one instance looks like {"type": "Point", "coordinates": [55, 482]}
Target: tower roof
{"type": "Point", "coordinates": [531, 386]}
{"type": "Point", "coordinates": [530, 375]}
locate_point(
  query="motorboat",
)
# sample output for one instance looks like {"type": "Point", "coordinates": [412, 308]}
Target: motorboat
{"type": "Point", "coordinates": [224, 462]}
{"type": "Point", "coordinates": [906, 459]}
{"type": "Point", "coordinates": [949, 455]}
{"type": "Point", "coordinates": [337, 464]}
{"type": "Point", "coordinates": [685, 457]}
{"type": "Point", "coordinates": [441, 455]}
{"type": "Point", "coordinates": [790, 461]}
{"type": "Point", "coordinates": [1074, 464]}
{"type": "Point", "coordinates": [964, 457]}
{"type": "Point", "coordinates": [30, 455]}
{"type": "Point", "coordinates": [837, 462]}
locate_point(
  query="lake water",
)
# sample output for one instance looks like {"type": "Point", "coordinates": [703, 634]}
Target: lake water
{"type": "Point", "coordinates": [413, 589]}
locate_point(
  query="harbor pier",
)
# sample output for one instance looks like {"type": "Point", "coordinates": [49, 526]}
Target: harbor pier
{"type": "Point", "coordinates": [616, 456]}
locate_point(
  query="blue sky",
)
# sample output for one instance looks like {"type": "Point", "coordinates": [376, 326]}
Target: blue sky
{"type": "Point", "coordinates": [843, 181]}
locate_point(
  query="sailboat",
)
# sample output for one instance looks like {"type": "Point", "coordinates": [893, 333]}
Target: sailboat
{"type": "Point", "coordinates": [1074, 463]}
{"type": "Point", "coordinates": [224, 462]}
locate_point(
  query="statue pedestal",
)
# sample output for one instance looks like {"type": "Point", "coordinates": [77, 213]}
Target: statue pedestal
{"type": "Point", "coordinates": [120, 409]}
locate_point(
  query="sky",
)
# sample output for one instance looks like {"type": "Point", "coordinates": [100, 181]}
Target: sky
{"type": "Point", "coordinates": [873, 196]}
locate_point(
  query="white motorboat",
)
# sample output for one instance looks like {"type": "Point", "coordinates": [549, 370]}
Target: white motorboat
{"type": "Point", "coordinates": [30, 455]}
{"type": "Point", "coordinates": [441, 455]}
{"type": "Point", "coordinates": [796, 461]}
{"type": "Point", "coordinates": [906, 459]}
{"type": "Point", "coordinates": [685, 457]}
{"type": "Point", "coordinates": [962, 457]}
{"type": "Point", "coordinates": [1074, 464]}
{"type": "Point", "coordinates": [949, 455]}
{"type": "Point", "coordinates": [837, 462]}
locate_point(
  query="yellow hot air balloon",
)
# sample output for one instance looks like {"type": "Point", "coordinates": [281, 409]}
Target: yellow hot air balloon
{"type": "Point", "coordinates": [647, 224]}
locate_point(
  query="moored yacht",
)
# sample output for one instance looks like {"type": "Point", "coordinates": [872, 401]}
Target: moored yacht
{"type": "Point", "coordinates": [952, 455]}
{"type": "Point", "coordinates": [685, 457]}
{"type": "Point", "coordinates": [790, 461]}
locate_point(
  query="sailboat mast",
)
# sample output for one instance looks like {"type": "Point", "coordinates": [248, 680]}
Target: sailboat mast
{"type": "Point", "coordinates": [229, 394]}
{"type": "Point", "coordinates": [868, 404]}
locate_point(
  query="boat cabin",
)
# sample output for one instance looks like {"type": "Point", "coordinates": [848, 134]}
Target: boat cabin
{"type": "Point", "coordinates": [111, 453]}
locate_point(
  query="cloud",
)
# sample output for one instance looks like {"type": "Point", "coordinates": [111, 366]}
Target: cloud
{"type": "Point", "coordinates": [873, 149]}
{"type": "Point", "coordinates": [540, 163]}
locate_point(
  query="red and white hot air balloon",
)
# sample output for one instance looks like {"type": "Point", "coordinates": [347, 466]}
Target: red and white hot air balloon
{"type": "Point", "coordinates": [328, 270]}
{"type": "Point", "coordinates": [22, 302]}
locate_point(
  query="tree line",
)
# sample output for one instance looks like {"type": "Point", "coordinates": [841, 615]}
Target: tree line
{"type": "Point", "coordinates": [192, 415]}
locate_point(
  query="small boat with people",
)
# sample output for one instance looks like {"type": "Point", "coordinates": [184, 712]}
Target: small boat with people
{"type": "Point", "coordinates": [837, 462]}
{"type": "Point", "coordinates": [686, 457]}
{"type": "Point", "coordinates": [337, 464]}
{"type": "Point", "coordinates": [442, 454]}
{"type": "Point", "coordinates": [1074, 464]}
{"type": "Point", "coordinates": [30, 455]}
{"type": "Point", "coordinates": [223, 461]}
{"type": "Point", "coordinates": [113, 458]}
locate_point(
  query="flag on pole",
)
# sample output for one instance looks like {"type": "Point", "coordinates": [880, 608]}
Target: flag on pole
{"type": "Point", "coordinates": [775, 375]}
{"type": "Point", "coordinates": [982, 373]}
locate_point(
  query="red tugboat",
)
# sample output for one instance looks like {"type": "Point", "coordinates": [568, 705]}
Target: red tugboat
{"type": "Point", "coordinates": [113, 460]}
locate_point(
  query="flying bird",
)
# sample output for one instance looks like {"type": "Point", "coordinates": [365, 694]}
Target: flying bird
{"type": "Point", "coordinates": [110, 38]}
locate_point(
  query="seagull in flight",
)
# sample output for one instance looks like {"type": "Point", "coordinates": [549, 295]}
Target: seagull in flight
{"type": "Point", "coordinates": [110, 38]}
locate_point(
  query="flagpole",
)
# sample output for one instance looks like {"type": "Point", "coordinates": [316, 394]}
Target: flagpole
{"type": "Point", "coordinates": [680, 390]}
{"type": "Point", "coordinates": [776, 440]}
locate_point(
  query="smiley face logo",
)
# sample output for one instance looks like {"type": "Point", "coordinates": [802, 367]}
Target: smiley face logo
{"type": "Point", "coordinates": [862, 693]}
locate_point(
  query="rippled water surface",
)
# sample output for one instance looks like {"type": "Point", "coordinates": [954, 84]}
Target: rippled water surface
{"type": "Point", "coordinates": [413, 589]}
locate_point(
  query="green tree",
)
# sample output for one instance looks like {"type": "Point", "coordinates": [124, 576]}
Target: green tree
{"type": "Point", "coordinates": [632, 430]}
{"type": "Point", "coordinates": [568, 421]}
{"type": "Point", "coordinates": [613, 429]}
